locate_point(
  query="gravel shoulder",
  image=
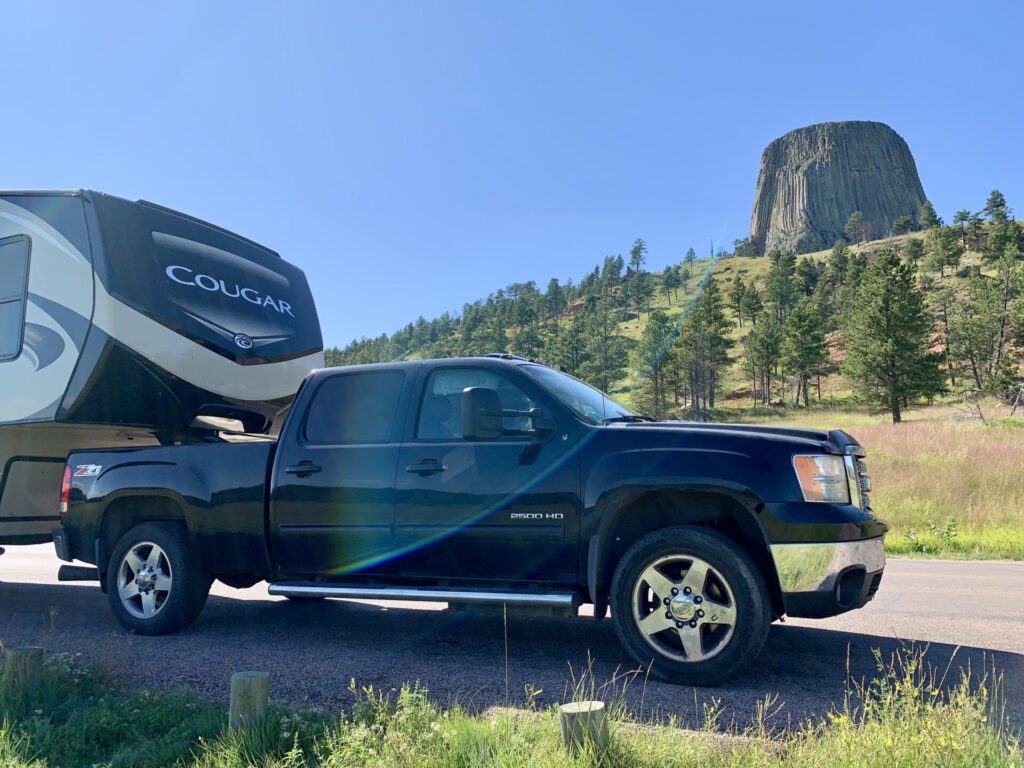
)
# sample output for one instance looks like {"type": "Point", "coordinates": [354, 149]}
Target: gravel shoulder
{"type": "Point", "coordinates": [970, 615]}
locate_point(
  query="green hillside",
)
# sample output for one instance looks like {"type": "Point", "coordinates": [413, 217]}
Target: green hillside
{"type": "Point", "coordinates": [675, 343]}
{"type": "Point", "coordinates": [835, 389]}
{"type": "Point", "coordinates": [599, 309]}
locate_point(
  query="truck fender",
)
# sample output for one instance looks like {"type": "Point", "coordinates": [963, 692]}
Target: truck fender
{"type": "Point", "coordinates": [742, 503]}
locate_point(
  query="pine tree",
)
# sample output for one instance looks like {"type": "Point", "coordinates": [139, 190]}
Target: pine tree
{"type": "Point", "coordinates": [671, 281]}
{"type": "Point", "coordinates": [737, 291]}
{"type": "Point", "coordinates": [604, 358]}
{"type": "Point", "coordinates": [973, 327]}
{"type": "Point", "coordinates": [943, 249]}
{"type": "Point", "coordinates": [913, 251]}
{"type": "Point", "coordinates": [527, 342]}
{"type": "Point", "coordinates": [691, 256]}
{"type": "Point", "coordinates": [839, 261]}
{"type": "Point", "coordinates": [780, 288]}
{"type": "Point", "coordinates": [804, 350]}
{"type": "Point", "coordinates": [856, 228]}
{"type": "Point", "coordinates": [651, 363]}
{"type": "Point", "coordinates": [644, 288]}
{"type": "Point", "coordinates": [703, 350]}
{"type": "Point", "coordinates": [566, 347]}
{"type": "Point", "coordinates": [887, 338]}
{"type": "Point", "coordinates": [637, 259]}
{"type": "Point", "coordinates": [961, 219]}
{"type": "Point", "coordinates": [928, 217]}
{"type": "Point", "coordinates": [807, 275]}
{"type": "Point", "coordinates": [752, 304]}
{"type": "Point", "coordinates": [554, 299]}
{"type": "Point", "coordinates": [763, 351]}
{"type": "Point", "coordinates": [685, 276]}
{"type": "Point", "coordinates": [902, 225]}
{"type": "Point", "coordinates": [942, 300]}
{"type": "Point", "coordinates": [1004, 241]}
{"type": "Point", "coordinates": [995, 206]}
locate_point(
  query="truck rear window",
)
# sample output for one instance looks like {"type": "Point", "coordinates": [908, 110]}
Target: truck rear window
{"type": "Point", "coordinates": [355, 408]}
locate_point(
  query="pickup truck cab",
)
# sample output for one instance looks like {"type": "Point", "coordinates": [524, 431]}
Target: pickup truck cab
{"type": "Point", "coordinates": [490, 480]}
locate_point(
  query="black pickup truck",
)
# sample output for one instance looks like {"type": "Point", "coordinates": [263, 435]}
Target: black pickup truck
{"type": "Point", "coordinates": [490, 480]}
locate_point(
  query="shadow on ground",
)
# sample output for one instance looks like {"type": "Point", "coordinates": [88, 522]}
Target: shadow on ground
{"type": "Point", "coordinates": [313, 650]}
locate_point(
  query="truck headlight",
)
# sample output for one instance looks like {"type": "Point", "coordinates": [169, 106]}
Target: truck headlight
{"type": "Point", "coordinates": [822, 478]}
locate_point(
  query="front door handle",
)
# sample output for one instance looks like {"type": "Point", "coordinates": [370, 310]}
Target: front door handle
{"type": "Point", "coordinates": [302, 469]}
{"type": "Point", "coordinates": [427, 467]}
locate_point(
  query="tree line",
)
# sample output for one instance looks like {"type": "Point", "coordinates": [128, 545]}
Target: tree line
{"type": "Point", "coordinates": [903, 324]}
{"type": "Point", "coordinates": [574, 326]}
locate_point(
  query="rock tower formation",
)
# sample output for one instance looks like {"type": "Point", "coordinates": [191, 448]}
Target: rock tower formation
{"type": "Point", "coordinates": [813, 178]}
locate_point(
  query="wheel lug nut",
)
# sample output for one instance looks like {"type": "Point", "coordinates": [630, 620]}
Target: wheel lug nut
{"type": "Point", "coordinates": [700, 614]}
{"type": "Point", "coordinates": [666, 601]}
{"type": "Point", "coordinates": [698, 599]}
{"type": "Point", "coordinates": [679, 625]}
{"type": "Point", "coordinates": [693, 623]}
{"type": "Point", "coordinates": [687, 591]}
{"type": "Point", "coordinates": [668, 614]}
{"type": "Point", "coordinates": [675, 591]}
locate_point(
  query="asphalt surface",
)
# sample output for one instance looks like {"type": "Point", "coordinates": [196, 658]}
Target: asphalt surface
{"type": "Point", "coordinates": [969, 615]}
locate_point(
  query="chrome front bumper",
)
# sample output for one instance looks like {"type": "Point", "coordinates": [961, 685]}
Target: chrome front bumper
{"type": "Point", "coordinates": [829, 578]}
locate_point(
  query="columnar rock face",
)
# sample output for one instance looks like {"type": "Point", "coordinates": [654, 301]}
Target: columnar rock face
{"type": "Point", "coordinates": [813, 178]}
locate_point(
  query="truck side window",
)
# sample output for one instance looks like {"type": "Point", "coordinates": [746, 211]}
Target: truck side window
{"type": "Point", "coordinates": [14, 255]}
{"type": "Point", "coordinates": [441, 409]}
{"type": "Point", "coordinates": [355, 408]}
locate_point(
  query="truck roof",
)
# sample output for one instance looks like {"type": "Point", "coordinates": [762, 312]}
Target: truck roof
{"type": "Point", "coordinates": [491, 360]}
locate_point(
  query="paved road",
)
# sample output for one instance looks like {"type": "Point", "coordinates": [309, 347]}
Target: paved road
{"type": "Point", "coordinates": [970, 612]}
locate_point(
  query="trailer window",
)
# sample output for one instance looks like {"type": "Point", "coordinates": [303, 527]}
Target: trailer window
{"type": "Point", "coordinates": [355, 408]}
{"type": "Point", "coordinates": [14, 253]}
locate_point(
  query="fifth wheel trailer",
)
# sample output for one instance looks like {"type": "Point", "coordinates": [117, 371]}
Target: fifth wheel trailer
{"type": "Point", "coordinates": [120, 323]}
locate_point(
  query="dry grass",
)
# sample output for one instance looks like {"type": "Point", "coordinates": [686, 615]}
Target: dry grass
{"type": "Point", "coordinates": [934, 467]}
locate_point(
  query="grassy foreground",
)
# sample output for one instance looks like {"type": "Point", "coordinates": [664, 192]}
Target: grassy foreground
{"type": "Point", "coordinates": [80, 717]}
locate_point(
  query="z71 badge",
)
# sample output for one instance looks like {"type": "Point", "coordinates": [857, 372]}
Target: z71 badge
{"type": "Point", "coordinates": [88, 470]}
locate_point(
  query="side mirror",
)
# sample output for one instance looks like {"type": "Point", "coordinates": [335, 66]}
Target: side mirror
{"type": "Point", "coordinates": [542, 424]}
{"type": "Point", "coordinates": [481, 414]}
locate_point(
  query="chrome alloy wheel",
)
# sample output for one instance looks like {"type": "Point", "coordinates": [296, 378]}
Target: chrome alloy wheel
{"type": "Point", "coordinates": [144, 580]}
{"type": "Point", "coordinates": [684, 608]}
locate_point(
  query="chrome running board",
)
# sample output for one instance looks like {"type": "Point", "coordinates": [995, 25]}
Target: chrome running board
{"type": "Point", "coordinates": [568, 600]}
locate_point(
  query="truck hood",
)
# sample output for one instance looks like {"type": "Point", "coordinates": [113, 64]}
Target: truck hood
{"type": "Point", "coordinates": [834, 441]}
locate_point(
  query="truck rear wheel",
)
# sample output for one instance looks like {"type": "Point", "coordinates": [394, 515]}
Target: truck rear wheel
{"type": "Point", "coordinates": [153, 583]}
{"type": "Point", "coordinates": [691, 604]}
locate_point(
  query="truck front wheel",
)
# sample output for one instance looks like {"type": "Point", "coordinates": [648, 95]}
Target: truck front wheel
{"type": "Point", "coordinates": [690, 603]}
{"type": "Point", "coordinates": [153, 583]}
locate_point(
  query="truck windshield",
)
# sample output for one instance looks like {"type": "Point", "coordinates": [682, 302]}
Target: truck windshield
{"type": "Point", "coordinates": [591, 404]}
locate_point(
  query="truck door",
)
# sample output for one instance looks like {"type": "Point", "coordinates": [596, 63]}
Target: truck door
{"type": "Point", "coordinates": [504, 509]}
{"type": "Point", "coordinates": [333, 485]}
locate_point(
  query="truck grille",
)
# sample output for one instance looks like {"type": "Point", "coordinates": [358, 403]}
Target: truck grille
{"type": "Point", "coordinates": [860, 483]}
{"type": "Point", "coordinates": [864, 484]}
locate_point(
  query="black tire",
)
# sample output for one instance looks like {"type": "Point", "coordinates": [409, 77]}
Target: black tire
{"type": "Point", "coordinates": [738, 643]}
{"type": "Point", "coordinates": [172, 609]}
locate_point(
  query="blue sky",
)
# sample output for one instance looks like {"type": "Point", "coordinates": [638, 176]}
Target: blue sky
{"type": "Point", "coordinates": [414, 156]}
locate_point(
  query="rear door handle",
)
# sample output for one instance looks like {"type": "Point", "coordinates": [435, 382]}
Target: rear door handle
{"type": "Point", "coordinates": [427, 467]}
{"type": "Point", "coordinates": [302, 469]}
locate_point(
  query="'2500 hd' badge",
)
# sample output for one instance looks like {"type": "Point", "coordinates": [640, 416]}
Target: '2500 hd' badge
{"type": "Point", "coordinates": [88, 470]}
